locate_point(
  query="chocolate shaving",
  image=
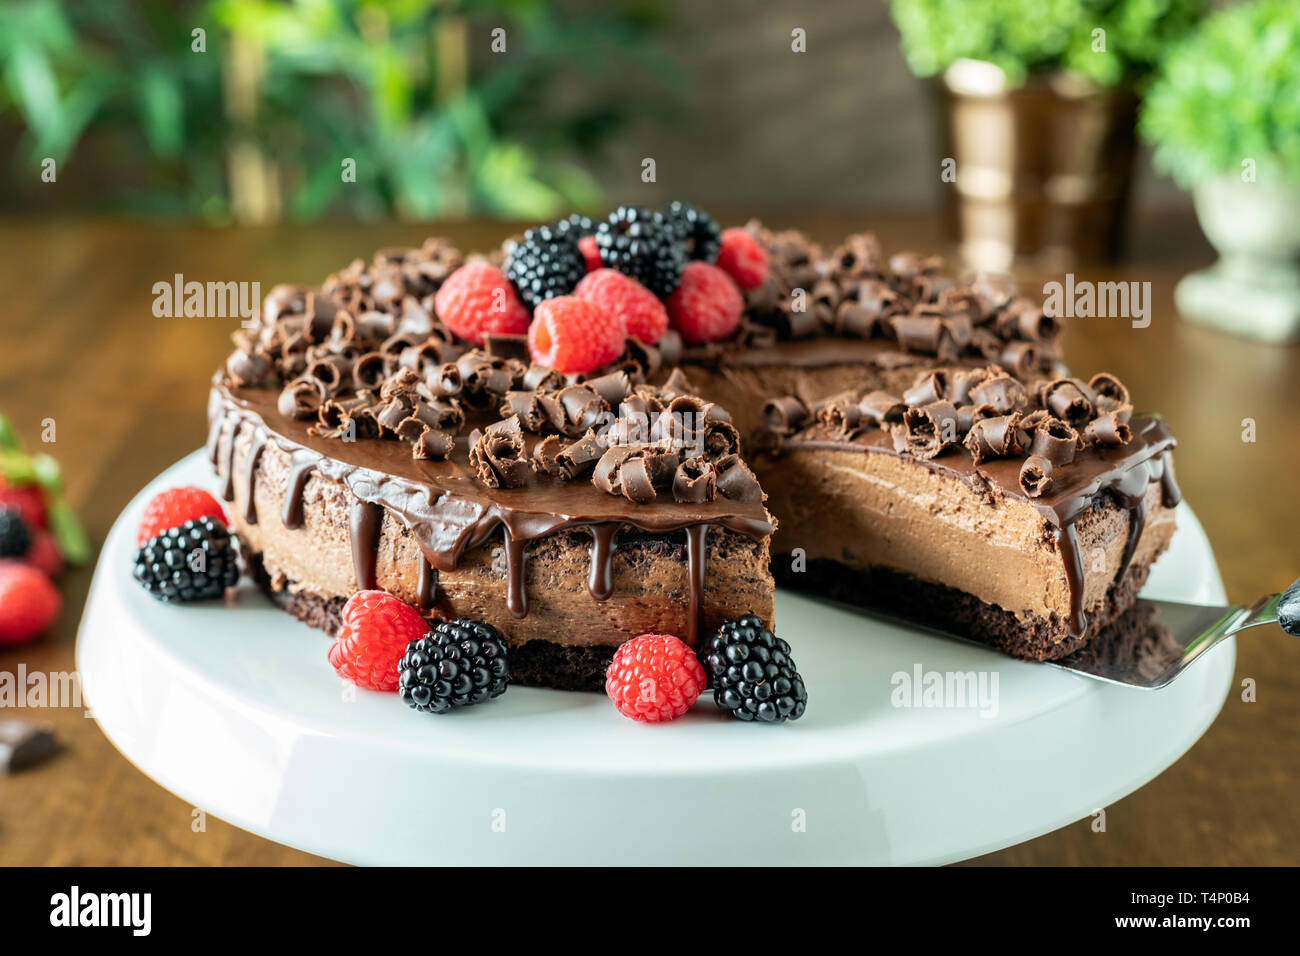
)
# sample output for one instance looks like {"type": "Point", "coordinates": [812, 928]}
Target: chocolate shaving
{"type": "Point", "coordinates": [1020, 357]}
{"type": "Point", "coordinates": [883, 408]}
{"type": "Point", "coordinates": [736, 481]}
{"type": "Point", "coordinates": [1109, 392]}
{"type": "Point", "coordinates": [842, 415]}
{"type": "Point", "coordinates": [498, 455]}
{"type": "Point", "coordinates": [721, 439]}
{"type": "Point", "coordinates": [1002, 392]}
{"type": "Point", "coordinates": [993, 437]}
{"type": "Point", "coordinates": [1035, 476]}
{"type": "Point", "coordinates": [368, 371]}
{"type": "Point", "coordinates": [613, 388]}
{"type": "Point", "coordinates": [853, 318]}
{"type": "Point", "coordinates": [583, 407]}
{"type": "Point", "coordinates": [785, 415]}
{"type": "Point", "coordinates": [300, 399]}
{"type": "Point", "coordinates": [1068, 399]}
{"type": "Point", "coordinates": [1110, 429]}
{"type": "Point", "coordinates": [505, 346]}
{"type": "Point", "coordinates": [924, 432]}
{"type": "Point", "coordinates": [581, 455]}
{"type": "Point", "coordinates": [544, 457]}
{"type": "Point", "coordinates": [930, 386]}
{"type": "Point", "coordinates": [696, 481]}
{"type": "Point", "coordinates": [541, 378]}
{"type": "Point", "coordinates": [925, 334]}
{"type": "Point", "coordinates": [246, 368]}
{"type": "Point", "coordinates": [1054, 440]}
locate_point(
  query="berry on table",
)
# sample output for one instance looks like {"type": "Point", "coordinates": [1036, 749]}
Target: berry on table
{"type": "Point", "coordinates": [29, 603]}
{"type": "Point", "coordinates": [456, 664]}
{"type": "Point", "coordinates": [706, 306]}
{"type": "Point", "coordinates": [754, 677]}
{"type": "Point", "coordinates": [642, 312]}
{"type": "Point", "coordinates": [27, 500]}
{"type": "Point", "coordinates": [742, 258]}
{"type": "Point", "coordinates": [376, 629]}
{"type": "Point", "coordinates": [477, 299]}
{"type": "Point", "coordinates": [15, 538]}
{"type": "Point", "coordinates": [545, 263]}
{"type": "Point", "coordinates": [644, 245]}
{"type": "Point", "coordinates": [570, 334]}
{"type": "Point", "coordinates": [174, 507]}
{"type": "Point", "coordinates": [44, 554]}
{"type": "Point", "coordinates": [195, 561]}
{"type": "Point", "coordinates": [696, 230]}
{"type": "Point", "coordinates": [654, 677]}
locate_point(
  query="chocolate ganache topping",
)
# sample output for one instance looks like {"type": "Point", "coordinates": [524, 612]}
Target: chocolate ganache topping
{"type": "Point", "coordinates": [1059, 446]}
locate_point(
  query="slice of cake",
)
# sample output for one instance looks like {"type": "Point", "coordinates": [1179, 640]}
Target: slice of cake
{"type": "Point", "coordinates": [1024, 518]}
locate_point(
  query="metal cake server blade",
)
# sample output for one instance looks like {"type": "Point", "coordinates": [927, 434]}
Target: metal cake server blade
{"type": "Point", "coordinates": [1156, 641]}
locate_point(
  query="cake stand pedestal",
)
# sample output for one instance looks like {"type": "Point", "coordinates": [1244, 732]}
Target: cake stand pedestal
{"type": "Point", "coordinates": [236, 710]}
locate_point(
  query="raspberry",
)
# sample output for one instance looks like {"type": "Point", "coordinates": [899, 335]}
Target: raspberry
{"type": "Point", "coordinates": [15, 538]}
{"type": "Point", "coordinates": [373, 637]}
{"type": "Point", "coordinates": [29, 603]}
{"type": "Point", "coordinates": [706, 306]}
{"type": "Point", "coordinates": [742, 258]}
{"type": "Point", "coordinates": [643, 314]}
{"type": "Point", "coordinates": [570, 334]}
{"type": "Point", "coordinates": [477, 299]}
{"type": "Point", "coordinates": [175, 506]}
{"type": "Point", "coordinates": [654, 677]}
{"type": "Point", "coordinates": [27, 500]}
{"type": "Point", "coordinates": [44, 554]}
{"type": "Point", "coordinates": [590, 252]}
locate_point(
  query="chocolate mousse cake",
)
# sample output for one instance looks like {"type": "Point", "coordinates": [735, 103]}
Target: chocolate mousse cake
{"type": "Point", "coordinates": [915, 435]}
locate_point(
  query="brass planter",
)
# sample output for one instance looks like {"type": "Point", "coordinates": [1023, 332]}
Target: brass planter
{"type": "Point", "coordinates": [1042, 171]}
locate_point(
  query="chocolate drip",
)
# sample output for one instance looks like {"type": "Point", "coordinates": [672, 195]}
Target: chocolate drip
{"type": "Point", "coordinates": [1067, 542]}
{"type": "Point", "coordinates": [695, 543]}
{"type": "Point", "coordinates": [303, 463]}
{"type": "Point", "coordinates": [516, 558]}
{"type": "Point", "coordinates": [227, 469]}
{"type": "Point", "coordinates": [367, 518]}
{"type": "Point", "coordinates": [214, 437]}
{"type": "Point", "coordinates": [427, 585]}
{"type": "Point", "coordinates": [601, 580]}
{"type": "Point", "coordinates": [250, 473]}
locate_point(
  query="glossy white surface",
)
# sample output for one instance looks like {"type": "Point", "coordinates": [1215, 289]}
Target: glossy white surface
{"type": "Point", "coordinates": [236, 710]}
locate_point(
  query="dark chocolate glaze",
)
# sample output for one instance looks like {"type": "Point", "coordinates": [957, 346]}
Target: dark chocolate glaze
{"type": "Point", "coordinates": [250, 473]}
{"type": "Point", "coordinates": [427, 587]}
{"type": "Point", "coordinates": [1125, 472]}
{"type": "Point", "coordinates": [448, 511]}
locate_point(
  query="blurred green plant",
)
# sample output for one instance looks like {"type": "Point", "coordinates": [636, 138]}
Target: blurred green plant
{"type": "Point", "coordinates": [1229, 92]}
{"type": "Point", "coordinates": [1027, 36]}
{"type": "Point", "coordinates": [284, 92]}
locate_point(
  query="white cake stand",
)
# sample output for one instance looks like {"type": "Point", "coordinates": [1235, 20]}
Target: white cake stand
{"type": "Point", "coordinates": [236, 710]}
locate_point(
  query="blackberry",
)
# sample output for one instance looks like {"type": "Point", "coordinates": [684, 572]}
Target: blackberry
{"type": "Point", "coordinates": [644, 245]}
{"type": "Point", "coordinates": [696, 230]}
{"type": "Point", "coordinates": [545, 263]}
{"type": "Point", "coordinates": [15, 539]}
{"type": "Point", "coordinates": [754, 677]}
{"type": "Point", "coordinates": [578, 224]}
{"type": "Point", "coordinates": [192, 562]}
{"type": "Point", "coordinates": [456, 664]}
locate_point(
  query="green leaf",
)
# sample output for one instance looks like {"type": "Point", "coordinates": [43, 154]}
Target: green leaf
{"type": "Point", "coordinates": [68, 532]}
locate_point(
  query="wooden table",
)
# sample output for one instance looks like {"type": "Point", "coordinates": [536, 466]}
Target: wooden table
{"type": "Point", "coordinates": [127, 390]}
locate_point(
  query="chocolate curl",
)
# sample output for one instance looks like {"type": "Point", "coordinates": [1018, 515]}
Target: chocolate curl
{"type": "Point", "coordinates": [960, 329]}
{"type": "Point", "coordinates": [527, 407]}
{"type": "Point", "coordinates": [502, 345]}
{"type": "Point", "coordinates": [1055, 441]}
{"type": "Point", "coordinates": [343, 332]}
{"type": "Point", "coordinates": [883, 408]}
{"type": "Point", "coordinates": [398, 343]}
{"type": "Point", "coordinates": [433, 445]}
{"type": "Point", "coordinates": [960, 301]}
{"type": "Point", "coordinates": [1068, 399]}
{"type": "Point", "coordinates": [1025, 319]}
{"type": "Point", "coordinates": [695, 482]}
{"type": "Point", "coordinates": [842, 415]}
{"type": "Point", "coordinates": [368, 371]}
{"type": "Point", "coordinates": [1002, 392]}
{"type": "Point", "coordinates": [581, 455]}
{"type": "Point", "coordinates": [877, 298]}
{"type": "Point", "coordinates": [721, 439]}
{"type": "Point", "coordinates": [931, 386]}
{"type": "Point", "coordinates": [375, 326]}
{"type": "Point", "coordinates": [677, 384]}
{"type": "Point", "coordinates": [931, 287]}
{"type": "Point", "coordinates": [607, 476]}
{"type": "Point", "coordinates": [925, 334]}
{"type": "Point", "coordinates": [858, 257]}
{"type": "Point", "coordinates": [1020, 357]}
{"type": "Point", "coordinates": [1029, 425]}
{"type": "Point", "coordinates": [785, 415]}
{"type": "Point", "coordinates": [583, 407]}
{"type": "Point", "coordinates": [961, 382]}
{"type": "Point", "coordinates": [826, 293]}
{"type": "Point", "coordinates": [301, 399]}
{"type": "Point", "coordinates": [330, 372]}
{"type": "Point", "coordinates": [1109, 429]}
{"type": "Point", "coordinates": [544, 457]}
{"type": "Point", "coordinates": [554, 413]}
{"type": "Point", "coordinates": [1109, 391]}
{"type": "Point", "coordinates": [993, 289]}
{"type": "Point", "coordinates": [670, 347]}
{"type": "Point", "coordinates": [1035, 476]}
{"type": "Point", "coordinates": [483, 378]}
{"type": "Point", "coordinates": [924, 432]}
{"type": "Point", "coordinates": [613, 388]}
{"type": "Point", "coordinates": [427, 353]}
{"type": "Point", "coordinates": [443, 381]}
{"type": "Point", "coordinates": [320, 311]}
{"type": "Point", "coordinates": [444, 415]}
{"type": "Point", "coordinates": [392, 414]}
{"type": "Point", "coordinates": [404, 383]}
{"type": "Point", "coordinates": [856, 320]}
{"type": "Point", "coordinates": [797, 325]}
{"type": "Point", "coordinates": [498, 455]}
{"type": "Point", "coordinates": [246, 368]}
{"type": "Point", "coordinates": [755, 336]}
{"type": "Point", "coordinates": [635, 472]}
{"type": "Point", "coordinates": [416, 319]}
{"type": "Point", "coordinates": [639, 359]}
{"type": "Point", "coordinates": [736, 481]}
{"type": "Point", "coordinates": [539, 378]}
{"type": "Point", "coordinates": [284, 299]}
{"type": "Point", "coordinates": [986, 342]}
{"type": "Point", "coordinates": [680, 423]}
{"type": "Point", "coordinates": [762, 298]}
{"type": "Point", "coordinates": [993, 437]}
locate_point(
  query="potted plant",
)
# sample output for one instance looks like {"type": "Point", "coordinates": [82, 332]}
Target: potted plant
{"type": "Point", "coordinates": [1224, 115]}
{"type": "Point", "coordinates": [1039, 105]}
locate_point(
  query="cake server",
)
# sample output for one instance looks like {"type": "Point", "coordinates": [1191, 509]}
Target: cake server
{"type": "Point", "coordinates": [1158, 640]}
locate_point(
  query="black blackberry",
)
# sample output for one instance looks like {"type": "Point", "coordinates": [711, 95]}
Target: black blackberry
{"type": "Point", "coordinates": [696, 230]}
{"type": "Point", "coordinates": [643, 245]}
{"type": "Point", "coordinates": [456, 664]}
{"type": "Point", "coordinates": [193, 562]}
{"type": "Point", "coordinates": [545, 263]}
{"type": "Point", "coordinates": [15, 539]}
{"type": "Point", "coordinates": [753, 674]}
{"type": "Point", "coordinates": [578, 224]}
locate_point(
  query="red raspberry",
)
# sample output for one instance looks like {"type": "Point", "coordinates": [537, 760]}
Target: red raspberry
{"type": "Point", "coordinates": [478, 298]}
{"type": "Point", "coordinates": [590, 252]}
{"type": "Point", "coordinates": [175, 506]}
{"type": "Point", "coordinates": [573, 335]}
{"type": "Point", "coordinates": [373, 637]}
{"type": "Point", "coordinates": [706, 306]}
{"type": "Point", "coordinates": [643, 314]}
{"type": "Point", "coordinates": [28, 500]}
{"type": "Point", "coordinates": [654, 677]}
{"type": "Point", "coordinates": [742, 258]}
{"type": "Point", "coordinates": [43, 555]}
{"type": "Point", "coordinates": [29, 603]}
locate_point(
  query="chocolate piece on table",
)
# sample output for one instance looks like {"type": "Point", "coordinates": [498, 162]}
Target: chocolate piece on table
{"type": "Point", "coordinates": [24, 743]}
